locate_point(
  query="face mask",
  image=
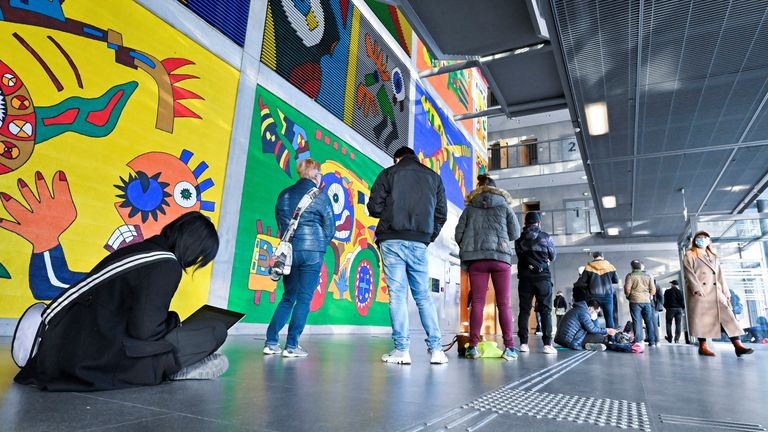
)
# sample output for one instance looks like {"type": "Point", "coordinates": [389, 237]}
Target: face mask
{"type": "Point", "coordinates": [701, 242]}
{"type": "Point", "coordinates": [593, 316]}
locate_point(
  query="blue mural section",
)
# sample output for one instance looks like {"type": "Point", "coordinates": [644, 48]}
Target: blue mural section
{"type": "Point", "coordinates": [228, 16]}
{"type": "Point", "coordinates": [443, 147]}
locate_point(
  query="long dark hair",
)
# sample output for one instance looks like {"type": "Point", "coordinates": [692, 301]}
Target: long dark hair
{"type": "Point", "coordinates": [193, 239]}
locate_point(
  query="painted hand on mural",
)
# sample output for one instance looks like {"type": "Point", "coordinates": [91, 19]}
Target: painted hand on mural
{"type": "Point", "coordinates": [49, 212]}
{"type": "Point", "coordinates": [376, 53]}
{"type": "Point", "coordinates": [366, 100]}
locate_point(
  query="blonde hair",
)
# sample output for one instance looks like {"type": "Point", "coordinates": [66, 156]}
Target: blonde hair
{"type": "Point", "coordinates": [306, 168]}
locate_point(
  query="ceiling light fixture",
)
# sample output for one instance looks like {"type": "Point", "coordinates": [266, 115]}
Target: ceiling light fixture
{"type": "Point", "coordinates": [612, 231]}
{"type": "Point", "coordinates": [597, 118]}
{"type": "Point", "coordinates": [609, 201]}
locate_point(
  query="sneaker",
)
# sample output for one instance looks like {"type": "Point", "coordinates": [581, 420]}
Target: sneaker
{"type": "Point", "coordinates": [271, 349]}
{"type": "Point", "coordinates": [594, 347]}
{"type": "Point", "coordinates": [524, 348]}
{"type": "Point", "coordinates": [668, 338]}
{"type": "Point", "coordinates": [509, 354]}
{"type": "Point", "coordinates": [549, 349]}
{"type": "Point", "coordinates": [294, 352]}
{"type": "Point", "coordinates": [472, 353]}
{"type": "Point", "coordinates": [438, 357]}
{"type": "Point", "coordinates": [397, 356]}
{"type": "Point", "coordinates": [210, 367]}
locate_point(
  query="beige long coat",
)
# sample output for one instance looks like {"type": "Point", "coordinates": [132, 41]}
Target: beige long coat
{"type": "Point", "coordinates": [708, 312]}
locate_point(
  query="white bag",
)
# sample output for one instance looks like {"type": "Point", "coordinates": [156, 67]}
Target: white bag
{"type": "Point", "coordinates": [25, 337]}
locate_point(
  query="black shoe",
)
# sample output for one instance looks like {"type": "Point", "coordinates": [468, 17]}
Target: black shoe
{"type": "Point", "coordinates": [668, 338]}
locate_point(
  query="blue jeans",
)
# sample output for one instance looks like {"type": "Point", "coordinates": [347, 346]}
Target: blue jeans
{"type": "Point", "coordinates": [642, 312]}
{"type": "Point", "coordinates": [405, 264]}
{"type": "Point", "coordinates": [299, 287]}
{"type": "Point", "coordinates": [606, 303]}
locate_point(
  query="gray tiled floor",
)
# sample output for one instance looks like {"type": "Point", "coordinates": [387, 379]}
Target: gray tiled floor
{"type": "Point", "coordinates": [343, 386]}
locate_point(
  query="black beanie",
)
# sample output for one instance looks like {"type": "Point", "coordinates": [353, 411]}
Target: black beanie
{"type": "Point", "coordinates": [532, 218]}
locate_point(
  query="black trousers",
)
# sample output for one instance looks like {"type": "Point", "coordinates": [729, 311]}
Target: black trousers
{"type": "Point", "coordinates": [542, 291]}
{"type": "Point", "coordinates": [195, 340]}
{"type": "Point", "coordinates": [593, 338]}
{"type": "Point", "coordinates": [677, 315]}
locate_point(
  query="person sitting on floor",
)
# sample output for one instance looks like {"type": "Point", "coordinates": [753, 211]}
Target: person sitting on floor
{"type": "Point", "coordinates": [577, 329]}
{"type": "Point", "coordinates": [114, 328]}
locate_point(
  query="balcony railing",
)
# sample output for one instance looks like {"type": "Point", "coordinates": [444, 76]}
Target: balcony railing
{"type": "Point", "coordinates": [527, 153]}
{"type": "Point", "coordinates": [575, 220]}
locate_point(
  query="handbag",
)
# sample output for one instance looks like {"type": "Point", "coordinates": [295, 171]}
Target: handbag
{"type": "Point", "coordinates": [282, 258]}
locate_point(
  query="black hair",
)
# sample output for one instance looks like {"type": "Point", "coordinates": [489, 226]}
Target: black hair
{"type": "Point", "coordinates": [675, 283]}
{"type": "Point", "coordinates": [636, 264]}
{"type": "Point", "coordinates": [485, 180]}
{"type": "Point", "coordinates": [594, 304]}
{"type": "Point", "coordinates": [597, 254]}
{"type": "Point", "coordinates": [193, 239]}
{"type": "Point", "coordinates": [403, 151]}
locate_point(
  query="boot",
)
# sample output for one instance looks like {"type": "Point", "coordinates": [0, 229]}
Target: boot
{"type": "Point", "coordinates": [704, 350]}
{"type": "Point", "coordinates": [741, 349]}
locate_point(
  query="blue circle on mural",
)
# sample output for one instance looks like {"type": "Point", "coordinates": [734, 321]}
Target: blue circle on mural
{"type": "Point", "coordinates": [364, 281]}
{"type": "Point", "coordinates": [145, 200]}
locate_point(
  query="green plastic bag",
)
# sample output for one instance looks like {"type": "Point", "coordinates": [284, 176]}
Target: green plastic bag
{"type": "Point", "coordinates": [489, 349]}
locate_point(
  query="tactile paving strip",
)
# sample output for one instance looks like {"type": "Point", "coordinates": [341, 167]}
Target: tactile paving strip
{"type": "Point", "coordinates": [602, 412]}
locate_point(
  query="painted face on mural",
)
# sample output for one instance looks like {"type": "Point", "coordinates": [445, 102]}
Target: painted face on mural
{"type": "Point", "coordinates": [17, 121]}
{"type": "Point", "coordinates": [343, 210]}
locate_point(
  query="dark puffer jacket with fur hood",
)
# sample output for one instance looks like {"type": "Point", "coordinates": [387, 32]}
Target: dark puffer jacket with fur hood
{"type": "Point", "coordinates": [488, 226]}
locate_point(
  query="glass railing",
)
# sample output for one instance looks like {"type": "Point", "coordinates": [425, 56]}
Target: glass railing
{"type": "Point", "coordinates": [524, 154]}
{"type": "Point", "coordinates": [575, 220]}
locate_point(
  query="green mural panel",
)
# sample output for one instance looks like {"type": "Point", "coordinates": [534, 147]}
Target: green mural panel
{"type": "Point", "coordinates": [352, 289]}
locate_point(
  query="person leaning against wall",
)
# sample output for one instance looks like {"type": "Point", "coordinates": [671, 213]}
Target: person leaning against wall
{"type": "Point", "coordinates": [708, 297]}
{"type": "Point", "coordinates": [315, 230]}
{"type": "Point", "coordinates": [409, 200]}
{"type": "Point", "coordinates": [486, 232]}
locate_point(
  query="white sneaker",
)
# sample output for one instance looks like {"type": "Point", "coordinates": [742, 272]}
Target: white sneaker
{"type": "Point", "coordinates": [208, 368]}
{"type": "Point", "coordinates": [271, 349]}
{"type": "Point", "coordinates": [549, 349]}
{"type": "Point", "coordinates": [438, 357]}
{"type": "Point", "coordinates": [524, 348]}
{"type": "Point", "coordinates": [397, 356]}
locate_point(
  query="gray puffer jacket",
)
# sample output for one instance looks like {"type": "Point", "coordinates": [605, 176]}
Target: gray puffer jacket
{"type": "Point", "coordinates": [488, 227]}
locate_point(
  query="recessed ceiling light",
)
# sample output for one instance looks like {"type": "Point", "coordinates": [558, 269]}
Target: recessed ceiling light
{"type": "Point", "coordinates": [583, 177]}
{"type": "Point", "coordinates": [585, 193]}
{"type": "Point", "coordinates": [612, 231]}
{"type": "Point", "coordinates": [586, 249]}
{"type": "Point", "coordinates": [609, 201]}
{"type": "Point", "coordinates": [597, 118]}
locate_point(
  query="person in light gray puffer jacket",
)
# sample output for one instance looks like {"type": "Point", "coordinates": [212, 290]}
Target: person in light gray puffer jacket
{"type": "Point", "coordinates": [486, 233]}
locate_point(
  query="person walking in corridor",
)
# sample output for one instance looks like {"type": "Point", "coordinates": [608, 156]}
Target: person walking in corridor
{"type": "Point", "coordinates": [561, 307]}
{"type": "Point", "coordinates": [409, 200]}
{"type": "Point", "coordinates": [674, 304]}
{"type": "Point", "coordinates": [598, 279]}
{"type": "Point", "coordinates": [535, 253]}
{"type": "Point", "coordinates": [708, 297]}
{"type": "Point", "coordinates": [485, 233]}
{"type": "Point", "coordinates": [640, 289]}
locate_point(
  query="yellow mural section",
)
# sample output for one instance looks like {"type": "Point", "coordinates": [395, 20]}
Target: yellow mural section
{"type": "Point", "coordinates": [117, 110]}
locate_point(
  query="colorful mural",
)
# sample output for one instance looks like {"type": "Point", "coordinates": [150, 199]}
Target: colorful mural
{"type": "Point", "coordinates": [395, 23]}
{"type": "Point", "coordinates": [333, 55]}
{"type": "Point", "coordinates": [442, 146]}
{"type": "Point", "coordinates": [228, 16]}
{"type": "Point", "coordinates": [463, 91]}
{"type": "Point", "coordinates": [352, 290]}
{"type": "Point", "coordinates": [112, 124]}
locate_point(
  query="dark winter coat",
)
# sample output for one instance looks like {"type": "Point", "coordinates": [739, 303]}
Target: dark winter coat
{"type": "Point", "coordinates": [598, 278]}
{"type": "Point", "coordinates": [560, 303]}
{"type": "Point", "coordinates": [409, 200]}
{"type": "Point", "coordinates": [535, 250]}
{"type": "Point", "coordinates": [487, 227]}
{"type": "Point", "coordinates": [575, 326]}
{"type": "Point", "coordinates": [317, 226]}
{"type": "Point", "coordinates": [112, 336]}
{"type": "Point", "coordinates": [673, 298]}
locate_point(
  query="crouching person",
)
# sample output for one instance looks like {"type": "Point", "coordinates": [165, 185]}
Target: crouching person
{"type": "Point", "coordinates": [578, 330]}
{"type": "Point", "coordinates": [113, 329]}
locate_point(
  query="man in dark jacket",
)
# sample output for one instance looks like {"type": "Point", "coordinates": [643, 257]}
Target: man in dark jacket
{"type": "Point", "coordinates": [409, 200]}
{"type": "Point", "coordinates": [598, 279]}
{"type": "Point", "coordinates": [578, 331]}
{"type": "Point", "coordinates": [535, 252]}
{"type": "Point", "coordinates": [674, 304]}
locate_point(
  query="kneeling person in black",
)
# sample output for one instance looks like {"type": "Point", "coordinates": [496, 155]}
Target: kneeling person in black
{"type": "Point", "coordinates": [114, 328]}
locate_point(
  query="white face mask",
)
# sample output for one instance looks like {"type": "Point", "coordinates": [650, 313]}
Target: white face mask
{"type": "Point", "coordinates": [702, 242]}
{"type": "Point", "coordinates": [593, 316]}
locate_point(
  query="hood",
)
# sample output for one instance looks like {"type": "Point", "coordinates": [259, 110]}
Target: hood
{"type": "Point", "coordinates": [487, 197]}
{"type": "Point", "coordinates": [530, 232]}
{"type": "Point", "coordinates": [600, 266]}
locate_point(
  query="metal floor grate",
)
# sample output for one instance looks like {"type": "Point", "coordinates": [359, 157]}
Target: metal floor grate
{"type": "Point", "coordinates": [602, 412]}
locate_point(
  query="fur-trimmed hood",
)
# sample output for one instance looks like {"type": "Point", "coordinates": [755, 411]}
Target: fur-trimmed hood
{"type": "Point", "coordinates": [488, 196]}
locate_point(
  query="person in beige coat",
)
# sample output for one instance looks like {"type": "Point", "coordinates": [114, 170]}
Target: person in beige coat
{"type": "Point", "coordinates": [708, 297]}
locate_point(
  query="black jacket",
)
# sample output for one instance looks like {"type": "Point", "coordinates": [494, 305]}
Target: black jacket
{"type": "Point", "coordinates": [112, 336]}
{"type": "Point", "coordinates": [317, 224]}
{"type": "Point", "coordinates": [560, 303]}
{"type": "Point", "coordinates": [409, 200]}
{"type": "Point", "coordinates": [575, 326]}
{"type": "Point", "coordinates": [535, 250]}
{"type": "Point", "coordinates": [673, 299]}
{"type": "Point", "coordinates": [598, 278]}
